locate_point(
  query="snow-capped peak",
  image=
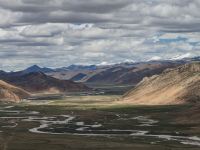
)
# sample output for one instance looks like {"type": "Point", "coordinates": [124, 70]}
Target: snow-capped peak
{"type": "Point", "coordinates": [179, 57]}
{"type": "Point", "coordinates": [154, 58]}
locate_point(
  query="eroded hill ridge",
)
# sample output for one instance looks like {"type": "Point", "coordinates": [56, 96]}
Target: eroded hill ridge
{"type": "Point", "coordinates": [12, 93]}
{"type": "Point", "coordinates": [174, 86]}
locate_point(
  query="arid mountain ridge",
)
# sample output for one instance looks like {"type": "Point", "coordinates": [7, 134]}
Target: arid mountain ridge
{"type": "Point", "coordinates": [41, 80]}
{"type": "Point", "coordinates": [123, 73]}
{"type": "Point", "coordinates": [12, 93]}
{"type": "Point", "coordinates": [174, 86]}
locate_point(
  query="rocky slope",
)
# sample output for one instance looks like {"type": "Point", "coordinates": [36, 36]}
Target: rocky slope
{"type": "Point", "coordinates": [39, 82]}
{"type": "Point", "coordinates": [173, 86]}
{"type": "Point", "coordinates": [118, 74]}
{"type": "Point", "coordinates": [9, 92]}
{"type": "Point", "coordinates": [123, 74]}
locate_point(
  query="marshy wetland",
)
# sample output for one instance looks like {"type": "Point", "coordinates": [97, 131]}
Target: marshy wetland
{"type": "Point", "coordinates": [93, 122]}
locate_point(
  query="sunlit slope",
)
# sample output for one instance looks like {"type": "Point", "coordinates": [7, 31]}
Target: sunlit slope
{"type": "Point", "coordinates": [173, 86]}
{"type": "Point", "coordinates": [9, 92]}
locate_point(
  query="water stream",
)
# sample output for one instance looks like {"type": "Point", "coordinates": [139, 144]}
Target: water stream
{"type": "Point", "coordinates": [67, 124]}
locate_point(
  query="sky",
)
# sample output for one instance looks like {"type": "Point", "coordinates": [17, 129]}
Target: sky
{"type": "Point", "coordinates": [57, 33]}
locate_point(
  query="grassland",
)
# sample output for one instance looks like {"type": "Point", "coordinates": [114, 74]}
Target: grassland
{"type": "Point", "coordinates": [98, 124]}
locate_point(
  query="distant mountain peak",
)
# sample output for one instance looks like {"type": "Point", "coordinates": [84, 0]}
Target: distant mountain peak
{"type": "Point", "coordinates": [36, 68]}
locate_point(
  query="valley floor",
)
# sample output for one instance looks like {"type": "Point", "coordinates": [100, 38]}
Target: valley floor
{"type": "Point", "coordinates": [95, 123]}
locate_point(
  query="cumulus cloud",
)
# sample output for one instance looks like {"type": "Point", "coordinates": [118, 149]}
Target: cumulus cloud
{"type": "Point", "coordinates": [56, 33]}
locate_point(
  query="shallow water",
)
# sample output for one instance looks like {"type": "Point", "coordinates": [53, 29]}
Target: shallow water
{"type": "Point", "coordinates": [67, 124]}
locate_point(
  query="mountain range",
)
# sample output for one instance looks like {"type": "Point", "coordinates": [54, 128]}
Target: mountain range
{"type": "Point", "coordinates": [122, 73]}
{"type": "Point", "coordinates": [125, 73]}
{"type": "Point", "coordinates": [39, 82]}
{"type": "Point", "coordinates": [74, 78]}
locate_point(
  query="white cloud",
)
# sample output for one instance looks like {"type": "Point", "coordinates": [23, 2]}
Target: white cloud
{"type": "Point", "coordinates": [57, 33]}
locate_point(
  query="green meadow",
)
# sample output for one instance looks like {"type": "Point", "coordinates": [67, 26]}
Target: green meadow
{"type": "Point", "coordinates": [94, 122]}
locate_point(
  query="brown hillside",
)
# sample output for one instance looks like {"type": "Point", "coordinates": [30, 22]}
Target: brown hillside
{"type": "Point", "coordinates": [39, 82]}
{"type": "Point", "coordinates": [9, 92]}
{"type": "Point", "coordinates": [173, 86]}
